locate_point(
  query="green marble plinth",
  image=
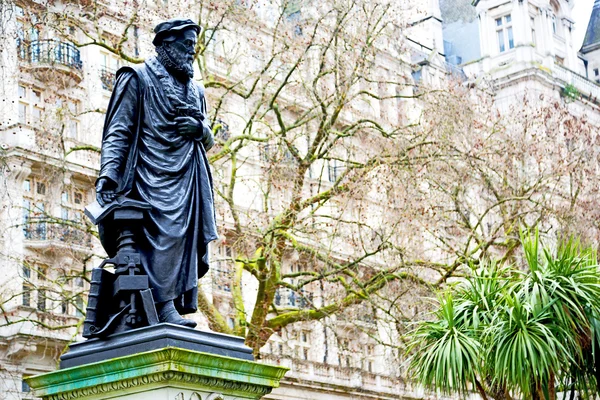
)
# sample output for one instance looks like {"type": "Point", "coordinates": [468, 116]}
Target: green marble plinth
{"type": "Point", "coordinates": [169, 373]}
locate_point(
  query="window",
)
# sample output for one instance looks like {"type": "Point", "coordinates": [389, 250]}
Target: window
{"type": "Point", "coordinates": [36, 111]}
{"type": "Point", "coordinates": [293, 12]}
{"type": "Point", "coordinates": [108, 68]}
{"type": "Point", "coordinates": [73, 129]}
{"type": "Point", "coordinates": [504, 33]}
{"type": "Point", "coordinates": [596, 72]}
{"type": "Point", "coordinates": [304, 336]}
{"type": "Point", "coordinates": [25, 387]}
{"type": "Point", "coordinates": [42, 273]}
{"type": "Point", "coordinates": [40, 188]}
{"type": "Point", "coordinates": [79, 306]}
{"type": "Point", "coordinates": [31, 105]}
{"type": "Point", "coordinates": [70, 110]}
{"type": "Point", "coordinates": [26, 215]}
{"type": "Point", "coordinates": [335, 170]}
{"type": "Point", "coordinates": [292, 9]}
{"type": "Point", "coordinates": [553, 17]}
{"type": "Point", "coordinates": [23, 108]}
{"type": "Point", "coordinates": [26, 295]}
{"type": "Point", "coordinates": [34, 216]}
{"type": "Point", "coordinates": [222, 271]}
{"type": "Point", "coordinates": [26, 271]}
{"type": "Point", "coordinates": [41, 300]}
{"type": "Point", "coordinates": [533, 39]}
{"type": "Point", "coordinates": [36, 115]}
{"type": "Point", "coordinates": [71, 210]}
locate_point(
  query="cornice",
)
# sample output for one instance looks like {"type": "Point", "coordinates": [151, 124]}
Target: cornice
{"type": "Point", "coordinates": [169, 366]}
{"type": "Point", "coordinates": [162, 379]}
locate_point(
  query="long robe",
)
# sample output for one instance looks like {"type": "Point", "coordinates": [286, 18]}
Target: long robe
{"type": "Point", "coordinates": [149, 160]}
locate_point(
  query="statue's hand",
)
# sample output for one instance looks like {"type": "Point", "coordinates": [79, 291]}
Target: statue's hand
{"type": "Point", "coordinates": [207, 139]}
{"type": "Point", "coordinates": [105, 191]}
{"type": "Point", "coordinates": [188, 126]}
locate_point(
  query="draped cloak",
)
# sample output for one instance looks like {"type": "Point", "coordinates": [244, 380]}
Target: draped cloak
{"type": "Point", "coordinates": [147, 158]}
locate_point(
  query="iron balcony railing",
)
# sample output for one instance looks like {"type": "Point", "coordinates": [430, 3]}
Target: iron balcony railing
{"type": "Point", "coordinates": [335, 172]}
{"type": "Point", "coordinates": [285, 297]}
{"type": "Point", "coordinates": [222, 275]}
{"type": "Point", "coordinates": [107, 77]}
{"type": "Point", "coordinates": [50, 51]}
{"type": "Point", "coordinates": [274, 153]}
{"type": "Point", "coordinates": [40, 230]}
{"type": "Point", "coordinates": [223, 130]}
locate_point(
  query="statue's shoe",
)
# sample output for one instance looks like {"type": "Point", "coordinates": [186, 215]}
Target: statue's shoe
{"type": "Point", "coordinates": [168, 313]}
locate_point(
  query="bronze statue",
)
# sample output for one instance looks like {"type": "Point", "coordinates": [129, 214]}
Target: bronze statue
{"type": "Point", "coordinates": [155, 208]}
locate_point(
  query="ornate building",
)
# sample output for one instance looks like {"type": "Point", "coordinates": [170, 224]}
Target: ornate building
{"type": "Point", "coordinates": [525, 45]}
{"type": "Point", "coordinates": [590, 50]}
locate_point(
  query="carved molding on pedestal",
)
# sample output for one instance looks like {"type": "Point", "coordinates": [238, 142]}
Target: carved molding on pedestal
{"type": "Point", "coordinates": [164, 377]}
{"type": "Point", "coordinates": [187, 370]}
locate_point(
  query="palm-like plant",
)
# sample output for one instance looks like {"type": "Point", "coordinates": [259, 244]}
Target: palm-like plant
{"type": "Point", "coordinates": [526, 348]}
{"type": "Point", "coordinates": [531, 328]}
{"type": "Point", "coordinates": [448, 352]}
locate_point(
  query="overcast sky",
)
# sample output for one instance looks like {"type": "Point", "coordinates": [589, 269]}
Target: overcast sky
{"type": "Point", "coordinates": [581, 15]}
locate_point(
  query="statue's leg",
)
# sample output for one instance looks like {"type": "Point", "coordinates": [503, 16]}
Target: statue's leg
{"type": "Point", "coordinates": [168, 313]}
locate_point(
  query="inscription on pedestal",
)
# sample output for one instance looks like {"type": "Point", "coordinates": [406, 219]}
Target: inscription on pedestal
{"type": "Point", "coordinates": [197, 396]}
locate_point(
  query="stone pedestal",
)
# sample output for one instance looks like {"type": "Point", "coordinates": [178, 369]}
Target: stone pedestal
{"type": "Point", "coordinates": [153, 363]}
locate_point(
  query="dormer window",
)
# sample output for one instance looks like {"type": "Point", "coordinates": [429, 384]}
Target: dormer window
{"type": "Point", "coordinates": [504, 32]}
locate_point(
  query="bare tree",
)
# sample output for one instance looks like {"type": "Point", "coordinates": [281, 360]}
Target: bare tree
{"type": "Point", "coordinates": [339, 183]}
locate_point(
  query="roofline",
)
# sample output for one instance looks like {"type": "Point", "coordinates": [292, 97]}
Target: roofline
{"type": "Point", "coordinates": [426, 19]}
{"type": "Point", "coordinates": [589, 48]}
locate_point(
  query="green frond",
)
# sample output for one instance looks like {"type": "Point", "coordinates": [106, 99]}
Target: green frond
{"type": "Point", "coordinates": [446, 355]}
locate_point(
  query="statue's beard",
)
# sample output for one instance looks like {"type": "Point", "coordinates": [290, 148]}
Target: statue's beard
{"type": "Point", "coordinates": [175, 61]}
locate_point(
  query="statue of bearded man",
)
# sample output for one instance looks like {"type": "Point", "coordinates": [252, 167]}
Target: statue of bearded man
{"type": "Point", "coordinates": [154, 148]}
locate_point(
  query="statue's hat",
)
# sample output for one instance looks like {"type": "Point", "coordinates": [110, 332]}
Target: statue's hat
{"type": "Point", "coordinates": [172, 26]}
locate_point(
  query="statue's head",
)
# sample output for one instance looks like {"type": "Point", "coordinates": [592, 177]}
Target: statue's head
{"type": "Point", "coordinates": [175, 43]}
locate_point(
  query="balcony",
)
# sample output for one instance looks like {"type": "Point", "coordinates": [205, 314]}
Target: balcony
{"type": "Point", "coordinates": [222, 131]}
{"type": "Point", "coordinates": [222, 277]}
{"type": "Point", "coordinates": [276, 154]}
{"type": "Point", "coordinates": [285, 297]}
{"type": "Point", "coordinates": [107, 78]}
{"type": "Point", "coordinates": [52, 61]}
{"type": "Point", "coordinates": [39, 233]}
{"type": "Point", "coordinates": [587, 88]}
{"type": "Point", "coordinates": [347, 377]}
{"type": "Point", "coordinates": [334, 172]}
